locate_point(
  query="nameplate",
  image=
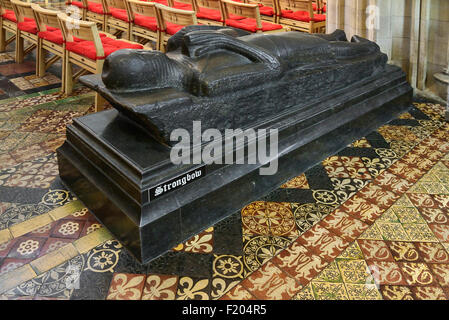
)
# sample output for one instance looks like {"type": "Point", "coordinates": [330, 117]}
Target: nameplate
{"type": "Point", "coordinates": [176, 183]}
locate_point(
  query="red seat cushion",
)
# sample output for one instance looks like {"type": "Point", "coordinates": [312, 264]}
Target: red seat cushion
{"type": "Point", "coordinates": [28, 26]}
{"type": "Point", "coordinates": [324, 8]}
{"type": "Point", "coordinates": [11, 16]}
{"type": "Point", "coordinates": [87, 48]}
{"type": "Point", "coordinates": [210, 14]}
{"type": "Point", "coordinates": [250, 24]}
{"type": "Point", "coordinates": [172, 28]}
{"type": "Point", "coordinates": [119, 14]}
{"type": "Point", "coordinates": [266, 11]}
{"type": "Point", "coordinates": [144, 21]}
{"type": "Point", "coordinates": [55, 35]}
{"type": "Point", "coordinates": [31, 27]}
{"type": "Point", "coordinates": [302, 16]}
{"type": "Point", "coordinates": [164, 2]}
{"type": "Point", "coordinates": [182, 6]}
{"type": "Point", "coordinates": [95, 7]}
{"type": "Point", "coordinates": [78, 4]}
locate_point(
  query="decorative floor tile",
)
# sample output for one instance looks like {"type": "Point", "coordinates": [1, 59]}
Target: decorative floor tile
{"type": "Point", "coordinates": [309, 214]}
{"type": "Point", "coordinates": [396, 293]}
{"type": "Point", "coordinates": [160, 287]}
{"type": "Point", "coordinates": [355, 271]}
{"type": "Point", "coordinates": [362, 209]}
{"type": "Point", "coordinates": [428, 293]}
{"type": "Point", "coordinates": [432, 252]}
{"type": "Point", "coordinates": [271, 283]}
{"type": "Point", "coordinates": [299, 263]}
{"type": "Point", "coordinates": [343, 225]}
{"type": "Point", "coordinates": [268, 218]}
{"type": "Point", "coordinates": [330, 274]}
{"type": "Point", "coordinates": [299, 182]}
{"type": "Point", "coordinates": [375, 250]}
{"type": "Point", "coordinates": [126, 287]}
{"type": "Point", "coordinates": [386, 273]}
{"type": "Point", "coordinates": [238, 293]}
{"type": "Point", "coordinates": [404, 251]}
{"type": "Point", "coordinates": [392, 231]}
{"type": "Point", "coordinates": [305, 294]}
{"type": "Point", "coordinates": [363, 292]}
{"type": "Point", "coordinates": [416, 274]}
{"type": "Point", "coordinates": [27, 248]}
{"type": "Point", "coordinates": [441, 272]}
{"type": "Point", "coordinates": [329, 291]}
{"type": "Point", "coordinates": [193, 289]}
{"type": "Point", "coordinates": [258, 250]}
{"type": "Point", "coordinates": [323, 243]}
{"type": "Point", "coordinates": [419, 232]}
{"type": "Point", "coordinates": [200, 243]}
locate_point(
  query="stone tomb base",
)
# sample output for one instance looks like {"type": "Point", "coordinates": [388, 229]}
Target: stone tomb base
{"type": "Point", "coordinates": [111, 165]}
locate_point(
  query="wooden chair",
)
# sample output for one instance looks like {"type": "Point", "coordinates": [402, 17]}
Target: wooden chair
{"type": "Point", "coordinates": [96, 12]}
{"type": "Point", "coordinates": [252, 21]}
{"type": "Point", "coordinates": [209, 12]}
{"type": "Point", "coordinates": [89, 54]}
{"type": "Point", "coordinates": [171, 20]}
{"type": "Point", "coordinates": [298, 15]}
{"type": "Point", "coordinates": [8, 23]}
{"type": "Point", "coordinates": [26, 30]}
{"type": "Point", "coordinates": [144, 17]}
{"type": "Point", "coordinates": [50, 39]}
{"type": "Point", "coordinates": [267, 9]}
{"type": "Point", "coordinates": [118, 17]}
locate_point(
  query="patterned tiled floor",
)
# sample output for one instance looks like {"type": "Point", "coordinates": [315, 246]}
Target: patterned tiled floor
{"type": "Point", "coordinates": [371, 222]}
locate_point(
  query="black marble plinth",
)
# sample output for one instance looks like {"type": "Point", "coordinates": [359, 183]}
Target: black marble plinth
{"type": "Point", "coordinates": [111, 164]}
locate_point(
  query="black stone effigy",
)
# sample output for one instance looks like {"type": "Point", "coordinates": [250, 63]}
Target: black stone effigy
{"type": "Point", "coordinates": [320, 91]}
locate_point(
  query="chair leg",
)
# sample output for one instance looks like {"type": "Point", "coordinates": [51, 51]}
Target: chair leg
{"type": "Point", "coordinates": [99, 102]}
{"type": "Point", "coordinates": [19, 48]}
{"type": "Point", "coordinates": [2, 37]}
{"type": "Point", "coordinates": [68, 77]}
{"type": "Point", "coordinates": [40, 59]}
{"type": "Point", "coordinates": [63, 72]}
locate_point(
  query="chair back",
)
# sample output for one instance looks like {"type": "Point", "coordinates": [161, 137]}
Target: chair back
{"type": "Point", "coordinates": [86, 3]}
{"type": "Point", "coordinates": [147, 9]}
{"type": "Point", "coordinates": [297, 5]}
{"type": "Point", "coordinates": [172, 3]}
{"type": "Point", "coordinates": [265, 3]}
{"type": "Point", "coordinates": [176, 16]}
{"type": "Point", "coordinates": [22, 10]}
{"type": "Point", "coordinates": [85, 30]}
{"type": "Point", "coordinates": [5, 5]}
{"type": "Point", "coordinates": [209, 4]}
{"type": "Point", "coordinates": [247, 10]}
{"type": "Point", "coordinates": [45, 17]}
{"type": "Point", "coordinates": [117, 4]}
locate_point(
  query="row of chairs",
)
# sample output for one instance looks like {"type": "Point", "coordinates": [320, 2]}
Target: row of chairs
{"type": "Point", "coordinates": [73, 41]}
{"type": "Point", "coordinates": [141, 18]}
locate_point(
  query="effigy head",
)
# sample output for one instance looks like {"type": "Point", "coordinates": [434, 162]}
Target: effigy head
{"type": "Point", "coordinates": [134, 70]}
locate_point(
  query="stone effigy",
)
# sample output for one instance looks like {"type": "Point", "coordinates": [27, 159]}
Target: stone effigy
{"type": "Point", "coordinates": [319, 91]}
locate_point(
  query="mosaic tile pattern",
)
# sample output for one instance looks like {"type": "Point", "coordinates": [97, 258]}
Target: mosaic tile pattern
{"type": "Point", "coordinates": [368, 223]}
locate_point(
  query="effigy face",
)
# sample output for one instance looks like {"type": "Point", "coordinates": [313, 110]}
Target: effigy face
{"type": "Point", "coordinates": [231, 79]}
